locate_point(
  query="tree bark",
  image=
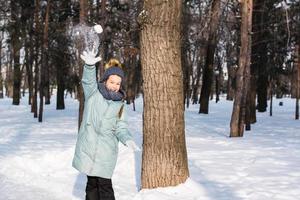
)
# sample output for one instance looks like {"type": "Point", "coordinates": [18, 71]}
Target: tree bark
{"type": "Point", "coordinates": [9, 76]}
{"type": "Point", "coordinates": [243, 73]}
{"type": "Point", "coordinates": [298, 80]}
{"type": "Point", "coordinates": [185, 56]}
{"type": "Point", "coordinates": [34, 107]}
{"type": "Point", "coordinates": [44, 58]}
{"type": "Point", "coordinates": [252, 99]}
{"type": "Point", "coordinates": [271, 98]}
{"type": "Point", "coordinates": [60, 103]}
{"type": "Point", "coordinates": [230, 83]}
{"type": "Point", "coordinates": [29, 63]}
{"type": "Point", "coordinates": [82, 20]}
{"type": "Point", "coordinates": [1, 78]}
{"type": "Point", "coordinates": [208, 71]}
{"type": "Point", "coordinates": [259, 54]}
{"type": "Point", "coordinates": [103, 49]}
{"type": "Point", "coordinates": [196, 86]}
{"type": "Point", "coordinates": [164, 160]}
{"type": "Point", "coordinates": [83, 11]}
{"type": "Point", "coordinates": [16, 46]}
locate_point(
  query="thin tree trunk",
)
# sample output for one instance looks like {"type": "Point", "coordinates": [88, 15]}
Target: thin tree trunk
{"type": "Point", "coordinates": [34, 108]}
{"type": "Point", "coordinates": [231, 70]}
{"type": "Point", "coordinates": [230, 90]}
{"type": "Point", "coordinates": [17, 75]}
{"type": "Point", "coordinates": [103, 37]}
{"type": "Point", "coordinates": [164, 159]}
{"type": "Point", "coordinates": [218, 75]}
{"type": "Point", "coordinates": [83, 11]}
{"type": "Point", "coordinates": [60, 103]}
{"type": "Point", "coordinates": [1, 78]}
{"type": "Point", "coordinates": [44, 63]}
{"type": "Point", "coordinates": [29, 63]}
{"type": "Point", "coordinates": [9, 75]}
{"type": "Point", "coordinates": [197, 83]}
{"type": "Point", "coordinates": [298, 81]}
{"type": "Point", "coordinates": [185, 55]}
{"type": "Point", "coordinates": [271, 99]}
{"type": "Point", "coordinates": [252, 100]}
{"type": "Point", "coordinates": [209, 60]}
{"type": "Point", "coordinates": [259, 57]}
{"type": "Point", "coordinates": [16, 46]}
{"type": "Point", "coordinates": [23, 77]}
{"type": "Point", "coordinates": [239, 106]}
{"type": "Point", "coordinates": [82, 20]}
{"type": "Point", "coordinates": [247, 114]}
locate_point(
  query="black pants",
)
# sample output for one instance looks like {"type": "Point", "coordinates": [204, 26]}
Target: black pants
{"type": "Point", "coordinates": [98, 188]}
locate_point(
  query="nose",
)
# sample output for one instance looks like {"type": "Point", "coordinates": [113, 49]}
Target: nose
{"type": "Point", "coordinates": [115, 88]}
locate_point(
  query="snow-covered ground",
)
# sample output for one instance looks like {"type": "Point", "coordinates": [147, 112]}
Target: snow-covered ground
{"type": "Point", "coordinates": [35, 158]}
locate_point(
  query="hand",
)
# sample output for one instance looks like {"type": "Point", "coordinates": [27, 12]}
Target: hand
{"type": "Point", "coordinates": [89, 57]}
{"type": "Point", "coordinates": [131, 144]}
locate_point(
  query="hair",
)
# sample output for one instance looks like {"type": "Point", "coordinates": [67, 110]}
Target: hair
{"type": "Point", "coordinates": [121, 111]}
{"type": "Point", "coordinates": [113, 63]}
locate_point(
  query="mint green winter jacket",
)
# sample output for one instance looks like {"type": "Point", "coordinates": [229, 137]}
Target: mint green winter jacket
{"type": "Point", "coordinates": [100, 131]}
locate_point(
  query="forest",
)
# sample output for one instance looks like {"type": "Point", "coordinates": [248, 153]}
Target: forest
{"type": "Point", "coordinates": [174, 53]}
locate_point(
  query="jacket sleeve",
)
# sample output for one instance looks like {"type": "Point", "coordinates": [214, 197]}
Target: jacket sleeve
{"type": "Point", "coordinates": [89, 82]}
{"type": "Point", "coordinates": [122, 132]}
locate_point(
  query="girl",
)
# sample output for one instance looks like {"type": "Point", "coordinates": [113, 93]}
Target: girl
{"type": "Point", "coordinates": [103, 126]}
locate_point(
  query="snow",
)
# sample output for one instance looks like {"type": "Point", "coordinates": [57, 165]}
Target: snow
{"type": "Point", "coordinates": [35, 158]}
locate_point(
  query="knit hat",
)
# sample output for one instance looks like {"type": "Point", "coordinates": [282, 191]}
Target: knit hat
{"type": "Point", "coordinates": [113, 67]}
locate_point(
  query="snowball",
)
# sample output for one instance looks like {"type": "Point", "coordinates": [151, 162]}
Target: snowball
{"type": "Point", "coordinates": [98, 28]}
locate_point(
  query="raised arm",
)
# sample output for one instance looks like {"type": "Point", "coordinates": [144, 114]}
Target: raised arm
{"type": "Point", "coordinates": [89, 82]}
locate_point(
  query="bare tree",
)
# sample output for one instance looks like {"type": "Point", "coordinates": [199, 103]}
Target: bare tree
{"type": "Point", "coordinates": [44, 62]}
{"type": "Point", "coordinates": [1, 78]}
{"type": "Point", "coordinates": [297, 63]}
{"type": "Point", "coordinates": [239, 107]}
{"type": "Point", "coordinates": [16, 46]}
{"type": "Point", "coordinates": [34, 107]}
{"type": "Point", "coordinates": [207, 78]}
{"type": "Point", "coordinates": [82, 20]}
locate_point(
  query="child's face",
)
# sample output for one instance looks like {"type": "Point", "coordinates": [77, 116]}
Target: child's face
{"type": "Point", "coordinates": [113, 83]}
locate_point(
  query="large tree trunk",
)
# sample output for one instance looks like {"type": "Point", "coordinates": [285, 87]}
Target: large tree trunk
{"type": "Point", "coordinates": [243, 73]}
{"type": "Point", "coordinates": [209, 60]}
{"type": "Point", "coordinates": [164, 161]}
